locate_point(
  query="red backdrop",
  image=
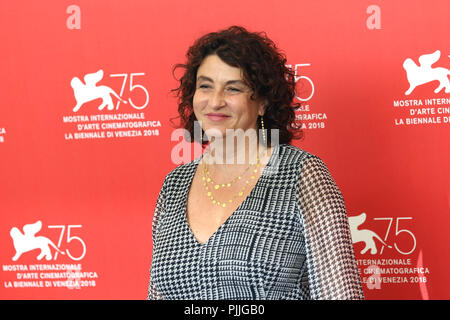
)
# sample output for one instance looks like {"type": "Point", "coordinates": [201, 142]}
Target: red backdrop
{"type": "Point", "coordinates": [91, 176]}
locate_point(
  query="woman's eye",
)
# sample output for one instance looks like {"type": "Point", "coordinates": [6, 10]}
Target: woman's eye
{"type": "Point", "coordinates": [234, 89]}
{"type": "Point", "coordinates": [202, 86]}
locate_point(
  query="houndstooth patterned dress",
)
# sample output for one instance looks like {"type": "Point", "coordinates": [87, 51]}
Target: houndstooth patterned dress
{"type": "Point", "coordinates": [289, 239]}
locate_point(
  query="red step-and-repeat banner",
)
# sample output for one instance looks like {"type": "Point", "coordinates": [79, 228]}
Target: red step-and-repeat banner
{"type": "Point", "coordinates": [86, 138]}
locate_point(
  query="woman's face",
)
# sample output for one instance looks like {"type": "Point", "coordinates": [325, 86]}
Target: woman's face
{"type": "Point", "coordinates": [222, 99]}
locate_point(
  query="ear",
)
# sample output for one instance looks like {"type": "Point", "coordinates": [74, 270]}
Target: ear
{"type": "Point", "coordinates": [262, 107]}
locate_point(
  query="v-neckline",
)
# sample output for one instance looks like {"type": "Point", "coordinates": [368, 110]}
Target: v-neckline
{"type": "Point", "coordinates": [191, 179]}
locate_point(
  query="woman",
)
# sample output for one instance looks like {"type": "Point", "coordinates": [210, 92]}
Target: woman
{"type": "Point", "coordinates": [271, 226]}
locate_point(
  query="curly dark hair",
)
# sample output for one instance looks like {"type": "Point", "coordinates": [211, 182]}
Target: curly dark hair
{"type": "Point", "coordinates": [264, 69]}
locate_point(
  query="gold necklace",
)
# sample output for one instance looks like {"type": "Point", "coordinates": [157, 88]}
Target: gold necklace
{"type": "Point", "coordinates": [207, 179]}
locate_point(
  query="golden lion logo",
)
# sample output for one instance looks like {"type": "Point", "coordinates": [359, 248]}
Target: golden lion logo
{"type": "Point", "coordinates": [418, 75]}
{"type": "Point", "coordinates": [88, 91]}
{"type": "Point", "coordinates": [28, 241]}
{"type": "Point", "coordinates": [364, 235]}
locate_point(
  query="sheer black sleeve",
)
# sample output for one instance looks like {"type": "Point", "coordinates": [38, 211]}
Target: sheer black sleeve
{"type": "Point", "coordinates": [153, 293]}
{"type": "Point", "coordinates": [332, 268]}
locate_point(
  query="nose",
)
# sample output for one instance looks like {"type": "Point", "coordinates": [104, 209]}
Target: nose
{"type": "Point", "coordinates": [217, 99]}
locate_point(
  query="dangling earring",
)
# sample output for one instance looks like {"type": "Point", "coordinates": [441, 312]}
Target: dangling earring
{"type": "Point", "coordinates": [263, 130]}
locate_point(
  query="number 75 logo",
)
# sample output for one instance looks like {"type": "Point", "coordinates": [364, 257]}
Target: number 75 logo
{"type": "Point", "coordinates": [89, 91]}
{"type": "Point", "coordinates": [28, 241]}
{"type": "Point", "coordinates": [307, 84]}
{"type": "Point", "coordinates": [368, 236]}
{"type": "Point", "coordinates": [69, 239]}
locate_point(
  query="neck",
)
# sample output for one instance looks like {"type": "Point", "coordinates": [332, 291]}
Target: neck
{"type": "Point", "coordinates": [233, 152]}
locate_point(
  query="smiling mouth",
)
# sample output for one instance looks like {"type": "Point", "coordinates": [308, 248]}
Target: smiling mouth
{"type": "Point", "coordinates": [217, 117]}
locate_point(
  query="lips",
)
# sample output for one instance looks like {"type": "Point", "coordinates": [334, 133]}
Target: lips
{"type": "Point", "coordinates": [217, 116]}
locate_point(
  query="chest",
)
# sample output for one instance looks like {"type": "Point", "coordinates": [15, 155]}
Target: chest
{"type": "Point", "coordinates": [256, 252]}
{"type": "Point", "coordinates": [208, 209]}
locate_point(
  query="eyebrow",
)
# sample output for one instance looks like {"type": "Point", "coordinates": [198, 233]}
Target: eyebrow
{"type": "Point", "coordinates": [204, 78]}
